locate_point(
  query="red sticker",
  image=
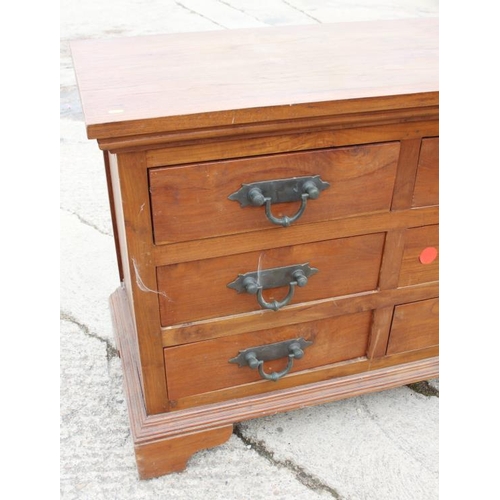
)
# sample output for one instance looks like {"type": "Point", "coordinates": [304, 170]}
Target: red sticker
{"type": "Point", "coordinates": [428, 255]}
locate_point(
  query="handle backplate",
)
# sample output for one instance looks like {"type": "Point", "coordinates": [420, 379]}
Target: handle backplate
{"type": "Point", "coordinates": [279, 190]}
{"type": "Point", "coordinates": [269, 352]}
{"type": "Point", "coordinates": [272, 278]}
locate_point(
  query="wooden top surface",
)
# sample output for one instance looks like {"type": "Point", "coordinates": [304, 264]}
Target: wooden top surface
{"type": "Point", "coordinates": [163, 83]}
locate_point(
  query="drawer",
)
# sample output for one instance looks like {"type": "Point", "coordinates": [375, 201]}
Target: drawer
{"type": "Point", "coordinates": [205, 366]}
{"type": "Point", "coordinates": [420, 256]}
{"type": "Point", "coordinates": [192, 202]}
{"type": "Point", "coordinates": [414, 326]}
{"type": "Point", "coordinates": [426, 191]}
{"type": "Point", "coordinates": [198, 290]}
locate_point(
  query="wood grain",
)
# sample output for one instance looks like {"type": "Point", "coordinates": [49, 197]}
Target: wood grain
{"type": "Point", "coordinates": [426, 191]}
{"type": "Point", "coordinates": [317, 387]}
{"type": "Point", "coordinates": [274, 237]}
{"type": "Point", "coordinates": [239, 76]}
{"type": "Point", "coordinates": [274, 142]}
{"type": "Point", "coordinates": [381, 328]}
{"type": "Point", "coordinates": [407, 169]}
{"type": "Point", "coordinates": [412, 270]}
{"type": "Point", "coordinates": [171, 454]}
{"type": "Point", "coordinates": [295, 314]}
{"type": "Point", "coordinates": [315, 130]}
{"type": "Point", "coordinates": [192, 202]}
{"type": "Point", "coordinates": [198, 290]}
{"type": "Point", "coordinates": [415, 326]}
{"type": "Point", "coordinates": [309, 378]}
{"type": "Point", "coordinates": [391, 261]}
{"type": "Point", "coordinates": [117, 222]}
{"type": "Point", "coordinates": [184, 121]}
{"type": "Point", "coordinates": [204, 366]}
{"type": "Point", "coordinates": [136, 241]}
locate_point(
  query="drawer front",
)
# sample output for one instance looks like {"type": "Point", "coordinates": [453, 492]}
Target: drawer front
{"type": "Point", "coordinates": [205, 366]}
{"type": "Point", "coordinates": [426, 192]}
{"type": "Point", "coordinates": [414, 326]}
{"type": "Point", "coordinates": [192, 202]}
{"type": "Point", "coordinates": [420, 256]}
{"type": "Point", "coordinates": [199, 290]}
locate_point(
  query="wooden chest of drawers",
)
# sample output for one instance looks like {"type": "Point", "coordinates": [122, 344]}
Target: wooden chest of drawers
{"type": "Point", "coordinates": [274, 195]}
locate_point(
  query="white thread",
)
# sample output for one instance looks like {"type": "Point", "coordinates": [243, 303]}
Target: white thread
{"type": "Point", "coordinates": [142, 286]}
{"type": "Point", "coordinates": [259, 267]}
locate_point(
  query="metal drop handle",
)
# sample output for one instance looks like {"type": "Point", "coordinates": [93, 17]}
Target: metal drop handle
{"type": "Point", "coordinates": [268, 193]}
{"type": "Point", "coordinates": [252, 287]}
{"type": "Point", "coordinates": [295, 352]}
{"type": "Point", "coordinates": [254, 282]}
{"type": "Point", "coordinates": [257, 199]}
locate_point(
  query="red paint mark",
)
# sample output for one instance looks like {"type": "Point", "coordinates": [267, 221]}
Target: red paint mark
{"type": "Point", "coordinates": [428, 255]}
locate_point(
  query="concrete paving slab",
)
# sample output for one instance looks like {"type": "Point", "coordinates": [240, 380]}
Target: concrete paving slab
{"type": "Point", "coordinates": [88, 275]}
{"type": "Point", "coordinates": [379, 446]}
{"type": "Point", "coordinates": [366, 10]}
{"type": "Point", "coordinates": [382, 446]}
{"type": "Point", "coordinates": [82, 177]}
{"type": "Point", "coordinates": [97, 458]}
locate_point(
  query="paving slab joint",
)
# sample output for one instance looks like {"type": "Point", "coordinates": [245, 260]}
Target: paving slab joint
{"type": "Point", "coordinates": [196, 13]}
{"type": "Point", "coordinates": [307, 479]}
{"type": "Point", "coordinates": [298, 9]}
{"type": "Point", "coordinates": [87, 223]}
{"type": "Point", "coordinates": [111, 351]}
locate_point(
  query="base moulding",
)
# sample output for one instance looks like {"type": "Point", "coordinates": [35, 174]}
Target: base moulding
{"type": "Point", "coordinates": [164, 442]}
